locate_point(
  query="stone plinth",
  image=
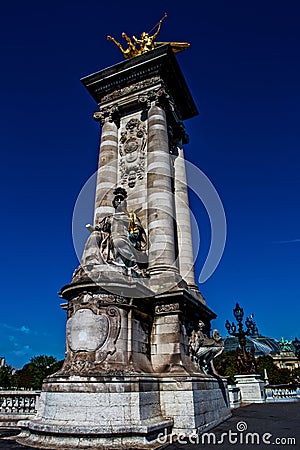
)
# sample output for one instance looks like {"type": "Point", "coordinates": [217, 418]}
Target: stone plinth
{"type": "Point", "coordinates": [234, 396]}
{"type": "Point", "coordinates": [97, 412]}
{"type": "Point", "coordinates": [195, 403]}
{"type": "Point", "coordinates": [251, 388]}
{"type": "Point", "coordinates": [128, 377]}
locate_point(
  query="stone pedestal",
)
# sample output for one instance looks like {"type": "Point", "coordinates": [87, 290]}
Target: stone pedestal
{"type": "Point", "coordinates": [234, 396]}
{"type": "Point", "coordinates": [128, 377]}
{"type": "Point", "coordinates": [251, 388]}
{"type": "Point", "coordinates": [97, 412]}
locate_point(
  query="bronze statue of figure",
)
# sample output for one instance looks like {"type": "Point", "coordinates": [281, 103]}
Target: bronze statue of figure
{"type": "Point", "coordinates": [130, 51]}
{"type": "Point", "coordinates": [146, 43]}
{"type": "Point", "coordinates": [118, 240]}
{"type": "Point", "coordinates": [245, 362]}
{"type": "Point", "coordinates": [204, 349]}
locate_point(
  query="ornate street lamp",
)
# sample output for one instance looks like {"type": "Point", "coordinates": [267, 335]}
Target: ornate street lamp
{"type": "Point", "coordinates": [245, 360]}
{"type": "Point", "coordinates": [296, 344]}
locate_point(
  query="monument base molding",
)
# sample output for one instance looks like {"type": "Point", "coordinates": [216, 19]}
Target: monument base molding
{"type": "Point", "coordinates": [123, 412]}
{"type": "Point", "coordinates": [107, 412]}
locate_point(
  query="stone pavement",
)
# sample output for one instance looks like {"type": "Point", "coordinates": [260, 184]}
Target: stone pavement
{"type": "Point", "coordinates": [275, 423]}
{"type": "Point", "coordinates": [255, 426]}
{"type": "Point", "coordinates": [7, 442]}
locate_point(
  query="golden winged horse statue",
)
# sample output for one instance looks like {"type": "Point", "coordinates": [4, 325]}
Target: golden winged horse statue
{"type": "Point", "coordinates": [147, 42]}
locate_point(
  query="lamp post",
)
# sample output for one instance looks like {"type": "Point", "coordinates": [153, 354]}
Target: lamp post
{"type": "Point", "coordinates": [296, 344]}
{"type": "Point", "coordinates": [245, 360]}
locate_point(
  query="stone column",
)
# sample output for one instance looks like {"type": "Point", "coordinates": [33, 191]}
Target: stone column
{"type": "Point", "coordinates": [161, 210]}
{"type": "Point", "coordinates": [185, 248]}
{"type": "Point", "coordinates": [107, 167]}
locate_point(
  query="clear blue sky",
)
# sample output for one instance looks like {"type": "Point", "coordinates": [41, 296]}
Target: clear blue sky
{"type": "Point", "coordinates": [243, 69]}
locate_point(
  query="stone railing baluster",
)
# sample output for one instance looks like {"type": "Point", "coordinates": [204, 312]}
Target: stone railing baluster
{"type": "Point", "coordinates": [17, 405]}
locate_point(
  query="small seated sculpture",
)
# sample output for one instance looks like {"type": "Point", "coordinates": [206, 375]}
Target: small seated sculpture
{"type": "Point", "coordinates": [118, 240]}
{"type": "Point", "coordinates": [204, 349]}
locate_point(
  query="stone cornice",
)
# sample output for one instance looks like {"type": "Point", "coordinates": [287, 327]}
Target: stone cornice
{"type": "Point", "coordinates": [158, 68]}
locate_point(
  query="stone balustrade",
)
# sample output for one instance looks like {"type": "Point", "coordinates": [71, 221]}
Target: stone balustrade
{"type": "Point", "coordinates": [285, 392]}
{"type": "Point", "coordinates": [17, 405]}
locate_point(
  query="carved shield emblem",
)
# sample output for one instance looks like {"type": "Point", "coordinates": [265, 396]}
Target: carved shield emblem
{"type": "Point", "coordinates": [87, 331]}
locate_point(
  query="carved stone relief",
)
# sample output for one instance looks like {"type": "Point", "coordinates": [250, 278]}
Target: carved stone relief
{"type": "Point", "coordinates": [132, 152]}
{"type": "Point", "coordinates": [167, 308]}
{"type": "Point", "coordinates": [140, 85]}
{"type": "Point", "coordinates": [87, 331]}
{"type": "Point", "coordinates": [92, 333]}
{"type": "Point", "coordinates": [95, 302]}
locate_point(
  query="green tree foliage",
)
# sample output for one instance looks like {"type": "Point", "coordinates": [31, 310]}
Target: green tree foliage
{"type": "Point", "coordinates": [275, 375]}
{"type": "Point", "coordinates": [6, 373]}
{"type": "Point", "coordinates": [31, 376]}
{"type": "Point", "coordinates": [23, 378]}
{"type": "Point", "coordinates": [225, 365]}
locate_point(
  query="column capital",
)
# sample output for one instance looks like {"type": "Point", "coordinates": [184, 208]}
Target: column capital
{"type": "Point", "coordinates": [158, 96]}
{"type": "Point", "coordinates": [107, 114]}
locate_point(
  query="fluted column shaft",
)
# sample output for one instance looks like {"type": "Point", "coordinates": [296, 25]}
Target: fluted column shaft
{"type": "Point", "coordinates": [185, 247]}
{"type": "Point", "coordinates": [160, 196]}
{"type": "Point", "coordinates": [107, 170]}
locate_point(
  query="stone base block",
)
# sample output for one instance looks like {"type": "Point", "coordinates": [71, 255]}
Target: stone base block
{"type": "Point", "coordinates": [124, 412]}
{"type": "Point", "coordinates": [97, 413]}
{"type": "Point", "coordinates": [251, 388]}
{"type": "Point", "coordinates": [234, 396]}
{"type": "Point", "coordinates": [195, 403]}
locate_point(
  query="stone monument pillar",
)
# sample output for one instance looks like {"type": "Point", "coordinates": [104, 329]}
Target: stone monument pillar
{"type": "Point", "coordinates": [139, 349]}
